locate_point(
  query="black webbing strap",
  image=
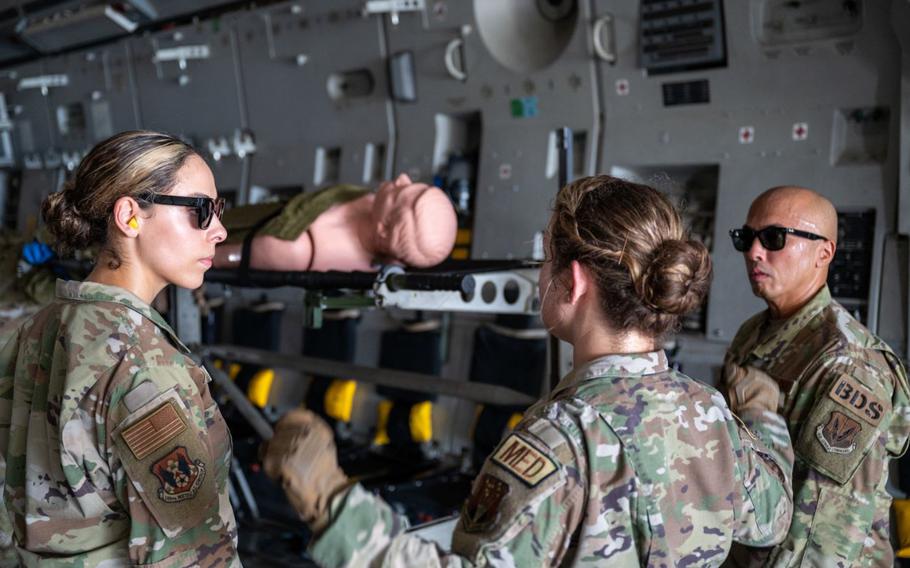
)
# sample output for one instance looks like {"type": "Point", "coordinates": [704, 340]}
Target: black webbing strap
{"type": "Point", "coordinates": [247, 247]}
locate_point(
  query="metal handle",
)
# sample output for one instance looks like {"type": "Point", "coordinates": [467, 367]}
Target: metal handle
{"type": "Point", "coordinates": [605, 50]}
{"type": "Point", "coordinates": [451, 67]}
{"type": "Point", "coordinates": [463, 283]}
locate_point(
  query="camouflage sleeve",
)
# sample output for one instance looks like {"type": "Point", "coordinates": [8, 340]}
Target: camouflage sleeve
{"type": "Point", "coordinates": [523, 511]}
{"type": "Point", "coordinates": [169, 457]}
{"type": "Point", "coordinates": [765, 463]}
{"type": "Point", "coordinates": [365, 531]}
{"type": "Point", "coordinates": [845, 439]}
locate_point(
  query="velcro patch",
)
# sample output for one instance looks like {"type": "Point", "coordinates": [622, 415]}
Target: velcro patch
{"type": "Point", "coordinates": [482, 508]}
{"type": "Point", "coordinates": [523, 460]}
{"type": "Point", "coordinates": [179, 474]}
{"type": "Point", "coordinates": [857, 399]}
{"type": "Point", "coordinates": [838, 435]}
{"type": "Point", "coordinates": [154, 430]}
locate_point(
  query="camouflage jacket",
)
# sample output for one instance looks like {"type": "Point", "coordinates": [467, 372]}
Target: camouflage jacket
{"type": "Point", "coordinates": [844, 395]}
{"type": "Point", "coordinates": [112, 451]}
{"type": "Point", "coordinates": [626, 463]}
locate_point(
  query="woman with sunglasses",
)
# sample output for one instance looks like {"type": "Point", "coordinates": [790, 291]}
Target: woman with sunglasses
{"type": "Point", "coordinates": [627, 462]}
{"type": "Point", "coordinates": [112, 450]}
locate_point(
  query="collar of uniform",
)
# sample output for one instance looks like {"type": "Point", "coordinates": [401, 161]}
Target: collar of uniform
{"type": "Point", "coordinates": [622, 364]}
{"type": "Point", "coordinates": [794, 324]}
{"type": "Point", "coordinates": [95, 292]}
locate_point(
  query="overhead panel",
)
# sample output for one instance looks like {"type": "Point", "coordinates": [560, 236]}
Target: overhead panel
{"type": "Point", "coordinates": [317, 95]}
{"type": "Point", "coordinates": [96, 103]}
{"type": "Point", "coordinates": [11, 46]}
{"type": "Point", "coordinates": [170, 9]}
{"type": "Point", "coordinates": [676, 35]}
{"type": "Point", "coordinates": [187, 85]}
{"type": "Point", "coordinates": [70, 28]}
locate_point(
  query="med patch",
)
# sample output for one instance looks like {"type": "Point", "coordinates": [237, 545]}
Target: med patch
{"type": "Point", "coordinates": [522, 460]}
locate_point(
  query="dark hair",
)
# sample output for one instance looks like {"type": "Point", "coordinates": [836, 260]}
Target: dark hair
{"type": "Point", "coordinates": [129, 163]}
{"type": "Point", "coordinates": [630, 236]}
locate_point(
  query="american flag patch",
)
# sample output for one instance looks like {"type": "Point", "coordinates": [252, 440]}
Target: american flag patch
{"type": "Point", "coordinates": [150, 433]}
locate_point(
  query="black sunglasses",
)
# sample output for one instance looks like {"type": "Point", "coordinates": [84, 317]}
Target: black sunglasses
{"type": "Point", "coordinates": [205, 207]}
{"type": "Point", "coordinates": [772, 238]}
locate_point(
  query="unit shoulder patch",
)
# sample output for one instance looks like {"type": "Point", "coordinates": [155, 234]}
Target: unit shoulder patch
{"type": "Point", "coordinates": [525, 462]}
{"type": "Point", "coordinates": [481, 510]}
{"type": "Point", "coordinates": [838, 435]}
{"type": "Point", "coordinates": [858, 400]}
{"type": "Point", "coordinates": [179, 475]}
{"type": "Point", "coordinates": [156, 429]}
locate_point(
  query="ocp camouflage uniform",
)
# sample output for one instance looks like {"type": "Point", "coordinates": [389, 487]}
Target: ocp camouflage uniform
{"type": "Point", "coordinates": [112, 451]}
{"type": "Point", "coordinates": [844, 395]}
{"type": "Point", "coordinates": [626, 463]}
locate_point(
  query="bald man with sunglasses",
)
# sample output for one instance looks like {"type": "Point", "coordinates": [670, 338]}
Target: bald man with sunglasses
{"type": "Point", "coordinates": [843, 392]}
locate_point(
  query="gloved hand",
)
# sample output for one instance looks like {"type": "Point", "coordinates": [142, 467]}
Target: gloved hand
{"type": "Point", "coordinates": [36, 253]}
{"type": "Point", "coordinates": [301, 454]}
{"type": "Point", "coordinates": [749, 388]}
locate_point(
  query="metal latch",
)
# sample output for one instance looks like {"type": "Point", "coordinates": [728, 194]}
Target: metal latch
{"type": "Point", "coordinates": [43, 82]}
{"type": "Point", "coordinates": [182, 54]}
{"type": "Point", "coordinates": [393, 8]}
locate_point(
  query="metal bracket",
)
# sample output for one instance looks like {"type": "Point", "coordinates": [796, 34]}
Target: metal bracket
{"type": "Point", "coordinates": [244, 144]}
{"type": "Point", "coordinates": [218, 148]}
{"type": "Point", "coordinates": [315, 302]}
{"type": "Point", "coordinates": [506, 292]}
{"type": "Point", "coordinates": [393, 8]}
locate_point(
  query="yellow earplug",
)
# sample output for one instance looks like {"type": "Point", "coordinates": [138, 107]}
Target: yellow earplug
{"type": "Point", "coordinates": [133, 223]}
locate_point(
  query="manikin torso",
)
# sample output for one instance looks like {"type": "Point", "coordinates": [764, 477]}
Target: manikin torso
{"type": "Point", "coordinates": [402, 222]}
{"type": "Point", "coordinates": [332, 242]}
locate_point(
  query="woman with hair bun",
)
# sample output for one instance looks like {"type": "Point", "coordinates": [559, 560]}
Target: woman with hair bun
{"type": "Point", "coordinates": [625, 463]}
{"type": "Point", "coordinates": [112, 450]}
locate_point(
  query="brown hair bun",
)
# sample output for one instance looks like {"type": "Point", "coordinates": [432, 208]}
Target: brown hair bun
{"type": "Point", "coordinates": [71, 231]}
{"type": "Point", "coordinates": [677, 278]}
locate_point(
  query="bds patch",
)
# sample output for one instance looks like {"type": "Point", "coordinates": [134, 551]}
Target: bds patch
{"type": "Point", "coordinates": [857, 399]}
{"type": "Point", "coordinates": [179, 475]}
{"type": "Point", "coordinates": [482, 509]}
{"type": "Point", "coordinates": [523, 461]}
{"type": "Point", "coordinates": [153, 431]}
{"type": "Point", "coordinates": [838, 435]}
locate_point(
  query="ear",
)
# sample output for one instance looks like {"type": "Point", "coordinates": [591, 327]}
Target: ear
{"type": "Point", "coordinates": [825, 253]}
{"type": "Point", "coordinates": [581, 282]}
{"type": "Point", "coordinates": [126, 209]}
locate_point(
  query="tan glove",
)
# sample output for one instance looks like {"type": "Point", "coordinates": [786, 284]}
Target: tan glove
{"type": "Point", "coordinates": [749, 388]}
{"type": "Point", "coordinates": [301, 455]}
